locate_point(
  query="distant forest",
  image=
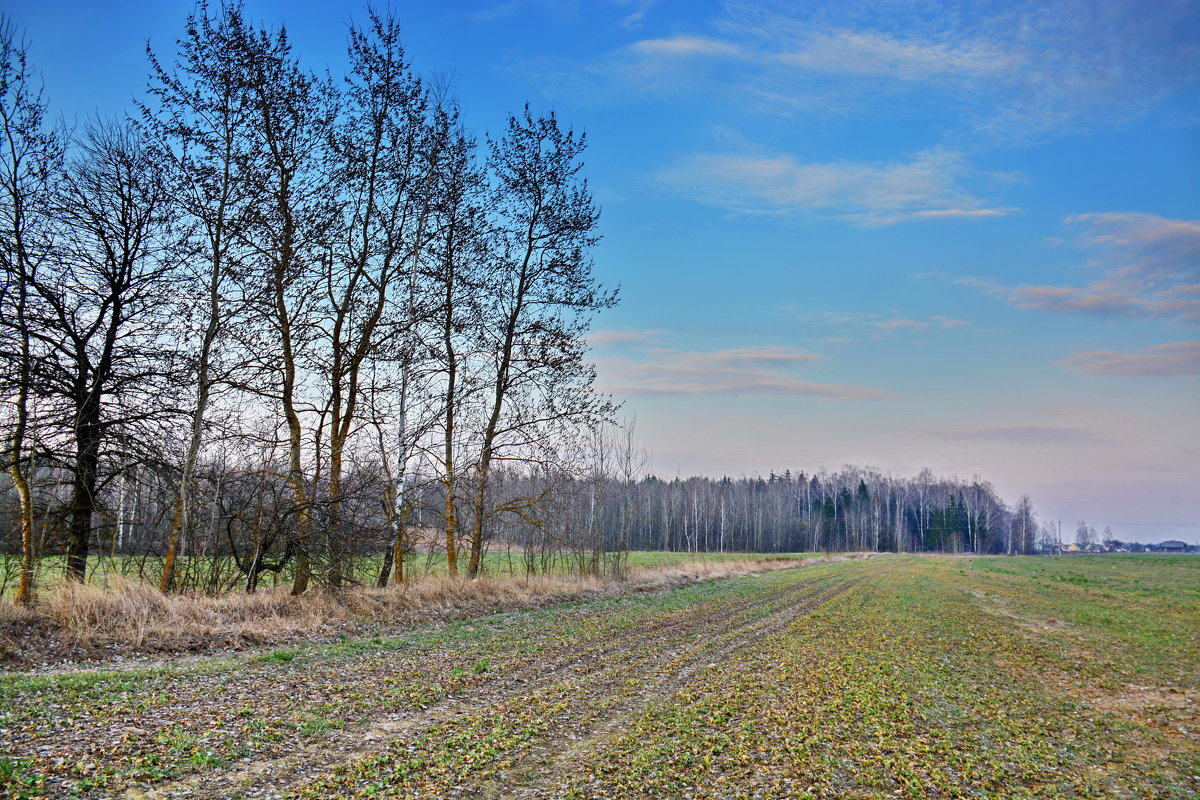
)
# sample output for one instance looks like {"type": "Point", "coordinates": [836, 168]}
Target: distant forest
{"type": "Point", "coordinates": [849, 510]}
{"type": "Point", "coordinates": [308, 327]}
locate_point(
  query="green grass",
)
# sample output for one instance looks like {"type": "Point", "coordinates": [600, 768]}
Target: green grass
{"type": "Point", "coordinates": [905, 686]}
{"type": "Point", "coordinates": [1139, 612]}
{"type": "Point", "coordinates": [19, 778]}
{"type": "Point", "coordinates": [103, 570]}
{"type": "Point", "coordinates": [910, 688]}
{"type": "Point", "coordinates": [899, 677]}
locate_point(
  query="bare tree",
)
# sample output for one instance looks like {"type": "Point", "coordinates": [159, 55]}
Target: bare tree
{"type": "Point", "coordinates": [1085, 535]}
{"type": "Point", "coordinates": [457, 272]}
{"type": "Point", "coordinates": [30, 155]}
{"type": "Point", "coordinates": [545, 296]}
{"type": "Point", "coordinates": [290, 235]}
{"type": "Point", "coordinates": [1024, 527]}
{"type": "Point", "coordinates": [100, 315]}
{"type": "Point", "coordinates": [388, 159]}
{"type": "Point", "coordinates": [199, 119]}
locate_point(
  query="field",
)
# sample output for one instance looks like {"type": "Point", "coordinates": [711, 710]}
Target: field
{"type": "Point", "coordinates": [894, 677]}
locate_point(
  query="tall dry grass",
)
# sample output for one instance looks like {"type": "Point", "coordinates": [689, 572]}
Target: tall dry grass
{"type": "Point", "coordinates": [136, 616]}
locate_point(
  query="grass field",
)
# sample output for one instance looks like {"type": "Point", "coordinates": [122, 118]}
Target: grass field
{"type": "Point", "coordinates": [899, 676]}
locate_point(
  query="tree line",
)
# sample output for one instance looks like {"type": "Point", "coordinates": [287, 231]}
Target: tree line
{"type": "Point", "coordinates": [270, 324]}
{"type": "Point", "coordinates": [266, 280]}
{"type": "Point", "coordinates": [611, 508]}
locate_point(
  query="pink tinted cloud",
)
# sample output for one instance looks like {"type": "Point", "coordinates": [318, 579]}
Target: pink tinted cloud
{"type": "Point", "coordinates": [1151, 271]}
{"type": "Point", "coordinates": [1092, 299]}
{"type": "Point", "coordinates": [761, 355]}
{"type": "Point", "coordinates": [1155, 250]}
{"type": "Point", "coordinates": [878, 326]}
{"type": "Point", "coordinates": [917, 324]}
{"type": "Point", "coordinates": [1104, 299]}
{"type": "Point", "coordinates": [1164, 360]}
{"type": "Point", "coordinates": [742, 370]}
{"type": "Point", "coordinates": [620, 338]}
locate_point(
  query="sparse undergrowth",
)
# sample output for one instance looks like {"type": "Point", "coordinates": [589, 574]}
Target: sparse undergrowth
{"type": "Point", "coordinates": [74, 622]}
{"type": "Point", "coordinates": [894, 677]}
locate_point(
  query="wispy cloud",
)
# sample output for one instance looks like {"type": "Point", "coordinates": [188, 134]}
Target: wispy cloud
{"type": "Point", "coordinates": [1151, 269]}
{"type": "Point", "coordinates": [1164, 360]}
{"type": "Point", "coordinates": [1151, 250]}
{"type": "Point", "coordinates": [1023, 434]}
{"type": "Point", "coordinates": [640, 8]}
{"type": "Point", "coordinates": [879, 326]}
{"type": "Point", "coordinates": [493, 12]}
{"type": "Point", "coordinates": [650, 370]}
{"type": "Point", "coordinates": [891, 325]}
{"type": "Point", "coordinates": [684, 47]}
{"type": "Point", "coordinates": [1003, 70]}
{"type": "Point", "coordinates": [927, 186]}
{"type": "Point", "coordinates": [879, 55]}
{"type": "Point", "coordinates": [1015, 69]}
{"type": "Point", "coordinates": [620, 338]}
{"type": "Point", "coordinates": [634, 11]}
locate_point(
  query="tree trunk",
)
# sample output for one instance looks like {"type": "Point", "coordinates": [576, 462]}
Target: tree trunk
{"type": "Point", "coordinates": [16, 467]}
{"type": "Point", "coordinates": [83, 503]}
{"type": "Point", "coordinates": [25, 498]}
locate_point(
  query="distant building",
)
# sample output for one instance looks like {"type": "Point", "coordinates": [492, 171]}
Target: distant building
{"type": "Point", "coordinates": [1170, 546]}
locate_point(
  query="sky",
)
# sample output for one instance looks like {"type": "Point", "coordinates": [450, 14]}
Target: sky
{"type": "Point", "coordinates": [962, 236]}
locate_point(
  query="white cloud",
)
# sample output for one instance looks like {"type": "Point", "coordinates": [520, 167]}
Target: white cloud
{"type": "Point", "coordinates": [685, 46]}
{"type": "Point", "coordinates": [878, 326]}
{"type": "Point", "coordinates": [622, 338]}
{"type": "Point", "coordinates": [1010, 70]}
{"type": "Point", "coordinates": [927, 186]}
{"type": "Point", "coordinates": [870, 53]}
{"type": "Point", "coordinates": [640, 9]}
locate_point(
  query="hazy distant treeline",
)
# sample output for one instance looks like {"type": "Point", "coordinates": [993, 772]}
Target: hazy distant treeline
{"type": "Point", "coordinates": [853, 509]}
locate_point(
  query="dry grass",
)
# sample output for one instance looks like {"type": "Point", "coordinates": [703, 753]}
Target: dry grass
{"type": "Point", "coordinates": [73, 621]}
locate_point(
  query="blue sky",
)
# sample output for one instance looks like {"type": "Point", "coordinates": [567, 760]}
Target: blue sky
{"type": "Point", "coordinates": [962, 236]}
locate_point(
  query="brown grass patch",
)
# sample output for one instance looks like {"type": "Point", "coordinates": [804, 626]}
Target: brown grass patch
{"type": "Point", "coordinates": [78, 622]}
{"type": "Point", "coordinates": [1150, 699]}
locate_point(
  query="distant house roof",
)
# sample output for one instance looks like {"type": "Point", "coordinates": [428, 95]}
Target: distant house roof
{"type": "Point", "coordinates": [1171, 544]}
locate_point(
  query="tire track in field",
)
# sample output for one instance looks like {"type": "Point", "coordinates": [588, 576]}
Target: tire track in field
{"type": "Point", "coordinates": [600, 665]}
{"type": "Point", "coordinates": [561, 757]}
{"type": "Point", "coordinates": [206, 705]}
{"type": "Point", "coordinates": [606, 701]}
